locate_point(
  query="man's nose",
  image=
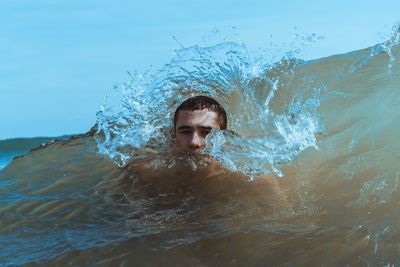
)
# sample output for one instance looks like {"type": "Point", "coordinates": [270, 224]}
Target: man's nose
{"type": "Point", "coordinates": [196, 142]}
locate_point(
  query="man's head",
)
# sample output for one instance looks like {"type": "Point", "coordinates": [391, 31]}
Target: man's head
{"type": "Point", "coordinates": [194, 119]}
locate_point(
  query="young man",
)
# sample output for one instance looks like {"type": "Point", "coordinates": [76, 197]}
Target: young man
{"type": "Point", "coordinates": [193, 121]}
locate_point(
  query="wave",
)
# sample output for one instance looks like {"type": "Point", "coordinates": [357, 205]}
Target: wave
{"type": "Point", "coordinates": [327, 129]}
{"type": "Point", "coordinates": [11, 148]}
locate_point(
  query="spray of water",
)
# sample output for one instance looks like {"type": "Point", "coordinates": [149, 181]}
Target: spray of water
{"type": "Point", "coordinates": [258, 141]}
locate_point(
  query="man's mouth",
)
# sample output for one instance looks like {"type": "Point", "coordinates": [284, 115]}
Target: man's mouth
{"type": "Point", "coordinates": [194, 153]}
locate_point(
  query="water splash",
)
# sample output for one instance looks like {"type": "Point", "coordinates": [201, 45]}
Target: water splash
{"type": "Point", "coordinates": [392, 39]}
{"type": "Point", "coordinates": [288, 135]}
{"type": "Point", "coordinates": [227, 72]}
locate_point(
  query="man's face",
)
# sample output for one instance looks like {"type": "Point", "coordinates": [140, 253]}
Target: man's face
{"type": "Point", "coordinates": [192, 128]}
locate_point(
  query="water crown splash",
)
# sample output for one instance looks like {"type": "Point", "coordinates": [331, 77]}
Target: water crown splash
{"type": "Point", "coordinates": [258, 141]}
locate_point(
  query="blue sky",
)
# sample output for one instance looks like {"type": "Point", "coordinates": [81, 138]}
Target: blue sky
{"type": "Point", "coordinates": [59, 59]}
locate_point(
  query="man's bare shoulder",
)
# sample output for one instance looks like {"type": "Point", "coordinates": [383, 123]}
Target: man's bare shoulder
{"type": "Point", "coordinates": [146, 169]}
{"type": "Point", "coordinates": [213, 178]}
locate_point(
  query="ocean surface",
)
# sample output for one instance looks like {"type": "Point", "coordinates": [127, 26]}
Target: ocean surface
{"type": "Point", "coordinates": [327, 129]}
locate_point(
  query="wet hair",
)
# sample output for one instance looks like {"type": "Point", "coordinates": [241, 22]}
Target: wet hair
{"type": "Point", "coordinates": [203, 102]}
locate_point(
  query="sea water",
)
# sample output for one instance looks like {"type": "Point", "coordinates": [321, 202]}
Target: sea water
{"type": "Point", "coordinates": [327, 129]}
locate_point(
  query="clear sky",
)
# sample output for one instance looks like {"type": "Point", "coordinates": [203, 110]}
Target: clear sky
{"type": "Point", "coordinates": [59, 59]}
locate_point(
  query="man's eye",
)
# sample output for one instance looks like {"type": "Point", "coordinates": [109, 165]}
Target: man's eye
{"type": "Point", "coordinates": [186, 132]}
{"type": "Point", "coordinates": [205, 132]}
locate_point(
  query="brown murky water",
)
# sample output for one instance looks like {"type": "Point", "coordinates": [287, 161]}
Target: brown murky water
{"type": "Point", "coordinates": [65, 204]}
